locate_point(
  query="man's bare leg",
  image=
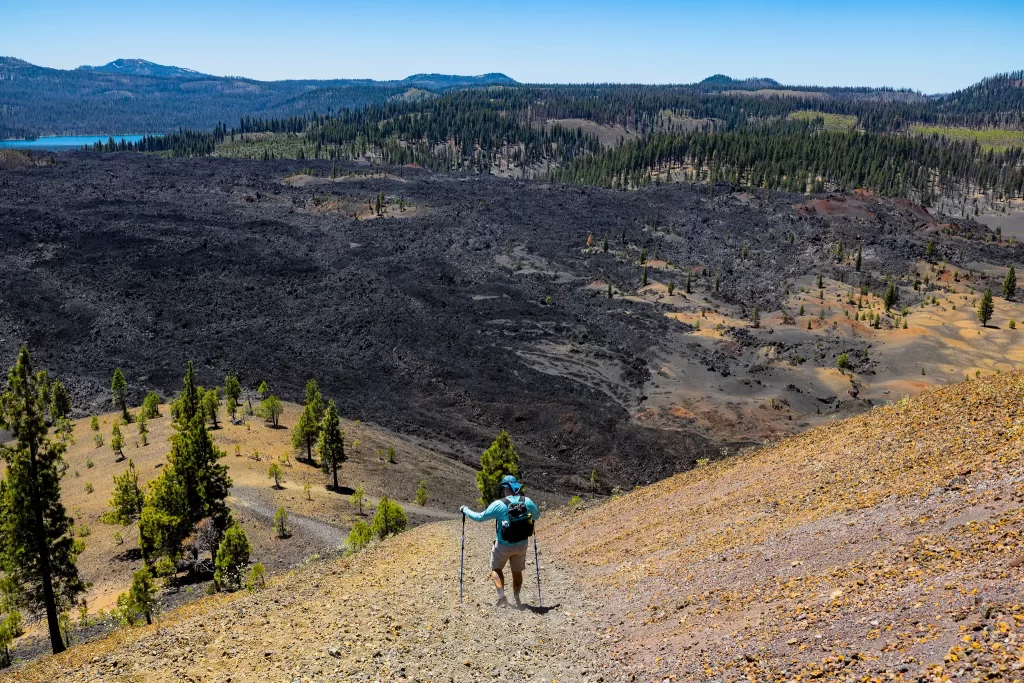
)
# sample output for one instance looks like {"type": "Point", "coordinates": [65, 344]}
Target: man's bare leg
{"type": "Point", "coordinates": [517, 584]}
{"type": "Point", "coordinates": [499, 584]}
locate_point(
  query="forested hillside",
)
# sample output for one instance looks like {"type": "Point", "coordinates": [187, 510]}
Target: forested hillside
{"type": "Point", "coordinates": [809, 140]}
{"type": "Point", "coordinates": [750, 133]}
{"type": "Point", "coordinates": [135, 96]}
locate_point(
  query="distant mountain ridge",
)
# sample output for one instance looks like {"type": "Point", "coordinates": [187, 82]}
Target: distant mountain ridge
{"type": "Point", "coordinates": [142, 67]}
{"type": "Point", "coordinates": [136, 95]}
{"type": "Point", "coordinates": [745, 84]}
{"type": "Point", "coordinates": [446, 80]}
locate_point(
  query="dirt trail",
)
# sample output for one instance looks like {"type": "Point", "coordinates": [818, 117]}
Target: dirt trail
{"type": "Point", "coordinates": [389, 613]}
{"type": "Point", "coordinates": [311, 530]}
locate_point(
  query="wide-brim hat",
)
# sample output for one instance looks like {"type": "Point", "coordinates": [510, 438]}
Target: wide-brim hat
{"type": "Point", "coordinates": [510, 482]}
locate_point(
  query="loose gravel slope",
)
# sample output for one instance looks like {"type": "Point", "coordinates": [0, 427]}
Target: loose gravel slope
{"type": "Point", "coordinates": [390, 613]}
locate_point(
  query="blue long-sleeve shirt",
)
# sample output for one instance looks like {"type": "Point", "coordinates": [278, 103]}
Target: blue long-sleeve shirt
{"type": "Point", "coordinates": [498, 511]}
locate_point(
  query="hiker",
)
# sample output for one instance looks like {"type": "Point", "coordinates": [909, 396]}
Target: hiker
{"type": "Point", "coordinates": [514, 516]}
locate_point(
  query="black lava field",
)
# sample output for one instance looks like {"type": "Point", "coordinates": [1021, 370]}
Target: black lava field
{"type": "Point", "coordinates": [421, 321]}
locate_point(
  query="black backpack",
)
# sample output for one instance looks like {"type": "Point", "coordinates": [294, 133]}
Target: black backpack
{"type": "Point", "coordinates": [519, 526]}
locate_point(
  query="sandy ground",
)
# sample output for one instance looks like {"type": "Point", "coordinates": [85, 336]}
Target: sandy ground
{"type": "Point", "coordinates": [320, 520]}
{"type": "Point", "coordinates": [756, 388]}
{"type": "Point", "coordinates": [886, 547]}
{"type": "Point", "coordinates": [390, 613]}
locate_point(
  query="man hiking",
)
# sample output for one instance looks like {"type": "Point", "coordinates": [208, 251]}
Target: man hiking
{"type": "Point", "coordinates": [514, 516]}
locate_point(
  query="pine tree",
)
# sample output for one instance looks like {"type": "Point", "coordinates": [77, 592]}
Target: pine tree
{"type": "Point", "coordinates": [281, 523]}
{"type": "Point", "coordinates": [755, 317]}
{"type": "Point", "coordinates": [820, 285]}
{"type": "Point", "coordinates": [718, 277]}
{"type": "Point", "coordinates": [189, 401]}
{"type": "Point", "coordinates": [232, 392]}
{"type": "Point", "coordinates": [604, 243]}
{"type": "Point", "coordinates": [858, 259]}
{"type": "Point", "coordinates": [359, 536]}
{"type": "Point", "coordinates": [232, 558]}
{"type": "Point", "coordinates": [643, 276]}
{"type": "Point", "coordinates": [140, 600]}
{"type": "Point", "coordinates": [357, 497]}
{"type": "Point", "coordinates": [689, 282]}
{"type": "Point", "coordinates": [37, 548]}
{"type": "Point", "coordinates": [191, 487]}
{"type": "Point", "coordinates": [117, 442]}
{"type": "Point", "coordinates": [985, 308]}
{"type": "Point", "coordinates": [10, 628]}
{"type": "Point", "coordinates": [60, 402]}
{"type": "Point", "coordinates": [119, 389]}
{"type": "Point", "coordinates": [498, 460]}
{"type": "Point", "coordinates": [270, 409]}
{"type": "Point", "coordinates": [891, 297]}
{"type": "Point", "coordinates": [211, 404]}
{"type": "Point", "coordinates": [127, 500]}
{"type": "Point", "coordinates": [389, 519]}
{"type": "Point", "coordinates": [276, 473]}
{"type": "Point", "coordinates": [929, 251]}
{"type": "Point", "coordinates": [1010, 284]}
{"type": "Point", "coordinates": [331, 445]}
{"type": "Point", "coordinates": [314, 399]}
{"type": "Point", "coordinates": [151, 406]}
{"type": "Point", "coordinates": [306, 432]}
{"type": "Point", "coordinates": [421, 493]}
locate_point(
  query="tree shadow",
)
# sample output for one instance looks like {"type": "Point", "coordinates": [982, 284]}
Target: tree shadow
{"type": "Point", "coordinates": [129, 555]}
{"type": "Point", "coordinates": [191, 578]}
{"type": "Point", "coordinates": [343, 490]}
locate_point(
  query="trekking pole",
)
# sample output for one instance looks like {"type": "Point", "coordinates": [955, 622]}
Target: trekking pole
{"type": "Point", "coordinates": [462, 555]}
{"type": "Point", "coordinates": [536, 566]}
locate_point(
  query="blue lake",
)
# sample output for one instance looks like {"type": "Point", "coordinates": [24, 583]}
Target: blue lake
{"type": "Point", "coordinates": [61, 142]}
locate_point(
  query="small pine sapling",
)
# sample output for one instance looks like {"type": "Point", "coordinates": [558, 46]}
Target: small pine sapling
{"type": "Point", "coordinates": [357, 498]}
{"type": "Point", "coordinates": [276, 473]}
{"type": "Point", "coordinates": [281, 523]}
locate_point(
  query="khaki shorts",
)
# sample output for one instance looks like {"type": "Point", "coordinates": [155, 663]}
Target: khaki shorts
{"type": "Point", "coordinates": [515, 555]}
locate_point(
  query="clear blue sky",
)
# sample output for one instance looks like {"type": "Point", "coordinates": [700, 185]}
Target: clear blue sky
{"type": "Point", "coordinates": [933, 46]}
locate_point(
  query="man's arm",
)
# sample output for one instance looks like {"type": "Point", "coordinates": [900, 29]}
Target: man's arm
{"type": "Point", "coordinates": [493, 511]}
{"type": "Point", "coordinates": [534, 510]}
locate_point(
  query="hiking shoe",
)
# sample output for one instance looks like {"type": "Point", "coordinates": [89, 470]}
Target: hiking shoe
{"type": "Point", "coordinates": [519, 603]}
{"type": "Point", "coordinates": [502, 602]}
